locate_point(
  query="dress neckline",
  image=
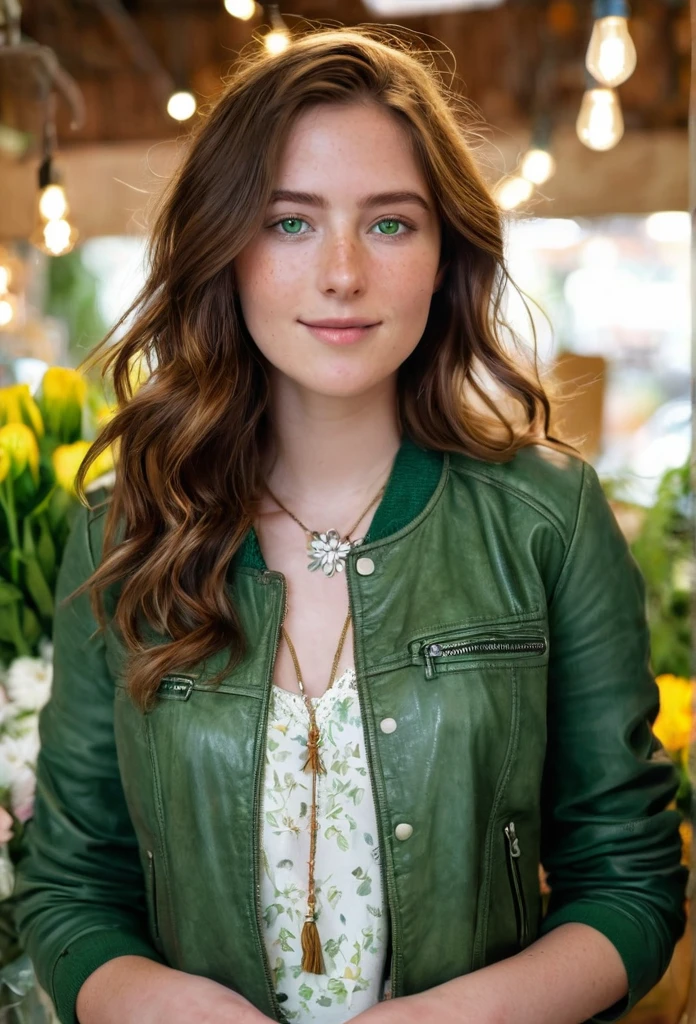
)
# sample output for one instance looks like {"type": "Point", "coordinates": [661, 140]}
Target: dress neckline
{"type": "Point", "coordinates": [343, 682]}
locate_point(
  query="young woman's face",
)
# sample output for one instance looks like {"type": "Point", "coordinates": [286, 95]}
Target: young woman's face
{"type": "Point", "coordinates": [344, 249]}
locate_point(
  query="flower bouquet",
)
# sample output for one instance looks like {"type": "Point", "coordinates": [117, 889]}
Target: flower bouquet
{"type": "Point", "coordinates": [43, 441]}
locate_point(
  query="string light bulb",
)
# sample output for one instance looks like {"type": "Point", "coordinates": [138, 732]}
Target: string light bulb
{"type": "Point", "coordinates": [278, 39]}
{"type": "Point", "coordinates": [242, 9]}
{"type": "Point", "coordinates": [611, 53]}
{"type": "Point", "coordinates": [537, 166]}
{"type": "Point", "coordinates": [512, 191]}
{"type": "Point", "coordinates": [599, 123]}
{"type": "Point", "coordinates": [53, 203]}
{"type": "Point", "coordinates": [53, 234]}
{"type": "Point", "coordinates": [6, 311]}
{"type": "Point", "coordinates": [181, 105]}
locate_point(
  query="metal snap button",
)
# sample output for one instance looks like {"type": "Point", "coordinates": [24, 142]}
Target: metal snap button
{"type": "Point", "coordinates": [365, 566]}
{"type": "Point", "coordinates": [403, 830]}
{"type": "Point", "coordinates": [387, 725]}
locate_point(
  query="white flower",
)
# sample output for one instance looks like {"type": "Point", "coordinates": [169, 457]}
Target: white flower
{"type": "Point", "coordinates": [22, 793]}
{"type": "Point", "coordinates": [28, 682]}
{"type": "Point", "coordinates": [17, 767]}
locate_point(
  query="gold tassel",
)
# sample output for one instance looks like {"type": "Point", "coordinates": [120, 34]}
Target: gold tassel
{"type": "Point", "coordinates": [313, 762]}
{"type": "Point", "coordinates": [312, 960]}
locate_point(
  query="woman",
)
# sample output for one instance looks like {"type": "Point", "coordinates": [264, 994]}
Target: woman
{"type": "Point", "coordinates": [294, 777]}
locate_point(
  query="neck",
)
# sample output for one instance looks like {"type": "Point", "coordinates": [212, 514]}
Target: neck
{"type": "Point", "coordinates": [331, 456]}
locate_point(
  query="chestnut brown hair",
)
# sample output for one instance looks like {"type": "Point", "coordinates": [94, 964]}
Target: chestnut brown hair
{"type": "Point", "coordinates": [189, 442]}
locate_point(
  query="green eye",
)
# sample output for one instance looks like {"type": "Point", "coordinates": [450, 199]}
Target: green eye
{"type": "Point", "coordinates": [394, 223]}
{"type": "Point", "coordinates": [291, 220]}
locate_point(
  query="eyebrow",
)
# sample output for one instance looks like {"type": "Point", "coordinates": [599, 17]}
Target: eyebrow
{"type": "Point", "coordinates": [374, 199]}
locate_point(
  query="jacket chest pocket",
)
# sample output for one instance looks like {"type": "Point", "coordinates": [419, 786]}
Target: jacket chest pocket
{"type": "Point", "coordinates": [458, 649]}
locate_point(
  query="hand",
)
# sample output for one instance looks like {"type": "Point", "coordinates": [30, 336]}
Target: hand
{"type": "Point", "coordinates": [136, 990]}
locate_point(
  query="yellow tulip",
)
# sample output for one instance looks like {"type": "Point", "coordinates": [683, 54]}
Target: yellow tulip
{"type": "Point", "coordinates": [18, 406]}
{"type": "Point", "coordinates": [673, 723]}
{"type": "Point", "coordinates": [4, 465]}
{"type": "Point", "coordinates": [67, 459]}
{"type": "Point", "coordinates": [62, 396]}
{"type": "Point", "coordinates": [20, 446]}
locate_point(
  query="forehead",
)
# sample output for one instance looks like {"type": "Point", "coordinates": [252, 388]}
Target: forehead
{"type": "Point", "coordinates": [345, 146]}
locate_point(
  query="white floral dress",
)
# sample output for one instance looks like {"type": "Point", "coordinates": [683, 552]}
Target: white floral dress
{"type": "Point", "coordinates": [351, 912]}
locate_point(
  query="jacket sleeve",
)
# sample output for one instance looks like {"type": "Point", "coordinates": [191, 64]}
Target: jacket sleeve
{"type": "Point", "coordinates": [79, 892]}
{"type": "Point", "coordinates": [610, 846]}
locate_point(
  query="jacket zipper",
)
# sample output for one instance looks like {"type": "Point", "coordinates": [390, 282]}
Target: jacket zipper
{"type": "Point", "coordinates": [386, 877]}
{"type": "Point", "coordinates": [153, 893]}
{"type": "Point", "coordinates": [256, 843]}
{"type": "Point", "coordinates": [535, 644]}
{"type": "Point", "coordinates": [513, 849]}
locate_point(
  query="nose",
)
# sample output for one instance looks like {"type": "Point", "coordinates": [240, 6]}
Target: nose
{"type": "Point", "coordinates": [342, 265]}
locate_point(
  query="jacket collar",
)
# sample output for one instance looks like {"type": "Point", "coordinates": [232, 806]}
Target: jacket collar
{"type": "Point", "coordinates": [414, 475]}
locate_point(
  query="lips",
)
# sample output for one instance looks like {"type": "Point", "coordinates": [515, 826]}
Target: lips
{"type": "Point", "coordinates": [340, 324]}
{"type": "Point", "coordinates": [340, 335]}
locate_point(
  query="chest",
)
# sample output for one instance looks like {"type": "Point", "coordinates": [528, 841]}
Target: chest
{"type": "Point", "coordinates": [317, 606]}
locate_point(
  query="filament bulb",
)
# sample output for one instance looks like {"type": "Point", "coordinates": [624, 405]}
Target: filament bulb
{"type": "Point", "coordinates": [600, 122]}
{"type": "Point", "coordinates": [611, 55]}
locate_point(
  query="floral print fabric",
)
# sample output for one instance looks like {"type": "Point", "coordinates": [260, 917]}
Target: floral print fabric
{"type": "Point", "coordinates": [351, 913]}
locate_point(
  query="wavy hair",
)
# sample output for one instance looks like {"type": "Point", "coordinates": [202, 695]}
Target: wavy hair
{"type": "Point", "coordinates": [189, 442]}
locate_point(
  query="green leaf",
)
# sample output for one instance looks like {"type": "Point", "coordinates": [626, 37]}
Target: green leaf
{"type": "Point", "coordinates": [365, 887]}
{"type": "Point", "coordinates": [9, 593]}
{"type": "Point", "coordinates": [271, 913]}
{"type": "Point", "coordinates": [38, 588]}
{"type": "Point", "coordinates": [343, 843]}
{"type": "Point", "coordinates": [305, 991]}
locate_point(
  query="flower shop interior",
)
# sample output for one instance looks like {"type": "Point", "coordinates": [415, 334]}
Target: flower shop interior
{"type": "Point", "coordinates": [581, 136]}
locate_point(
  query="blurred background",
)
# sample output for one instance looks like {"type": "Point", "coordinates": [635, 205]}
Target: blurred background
{"type": "Point", "coordinates": [582, 112]}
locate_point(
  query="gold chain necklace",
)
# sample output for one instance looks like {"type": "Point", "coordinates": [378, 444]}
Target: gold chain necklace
{"type": "Point", "coordinates": [312, 959]}
{"type": "Point", "coordinates": [328, 551]}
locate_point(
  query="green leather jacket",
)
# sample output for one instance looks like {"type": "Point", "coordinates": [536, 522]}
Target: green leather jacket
{"type": "Point", "coordinates": [499, 619]}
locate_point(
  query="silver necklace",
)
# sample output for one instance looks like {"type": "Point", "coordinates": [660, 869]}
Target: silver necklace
{"type": "Point", "coordinates": [327, 551]}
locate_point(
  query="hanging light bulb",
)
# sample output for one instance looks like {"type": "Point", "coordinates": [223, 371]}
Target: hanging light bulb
{"type": "Point", "coordinates": [242, 9]}
{"type": "Point", "coordinates": [278, 39]}
{"type": "Point", "coordinates": [53, 233]}
{"type": "Point", "coordinates": [537, 166]}
{"type": "Point", "coordinates": [181, 105]}
{"type": "Point", "coordinates": [513, 191]}
{"type": "Point", "coordinates": [6, 311]}
{"type": "Point", "coordinates": [611, 54]}
{"type": "Point", "coordinates": [600, 121]}
{"type": "Point", "coordinates": [52, 202]}
{"type": "Point", "coordinates": [4, 279]}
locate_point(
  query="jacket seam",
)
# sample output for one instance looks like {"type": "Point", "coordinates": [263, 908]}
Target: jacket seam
{"type": "Point", "coordinates": [555, 521]}
{"type": "Point", "coordinates": [570, 550]}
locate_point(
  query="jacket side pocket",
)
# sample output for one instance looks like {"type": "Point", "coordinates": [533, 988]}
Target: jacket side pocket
{"type": "Point", "coordinates": [513, 856]}
{"type": "Point", "coordinates": [152, 894]}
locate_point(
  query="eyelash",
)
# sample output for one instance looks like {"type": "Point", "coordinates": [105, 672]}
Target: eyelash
{"type": "Point", "coordinates": [289, 234]}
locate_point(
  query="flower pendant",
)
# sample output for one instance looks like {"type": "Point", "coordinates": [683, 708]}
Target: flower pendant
{"type": "Point", "coordinates": [328, 552]}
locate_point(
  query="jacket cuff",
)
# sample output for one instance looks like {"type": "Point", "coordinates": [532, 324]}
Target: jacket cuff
{"type": "Point", "coordinates": [636, 946]}
{"type": "Point", "coordinates": [83, 956]}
